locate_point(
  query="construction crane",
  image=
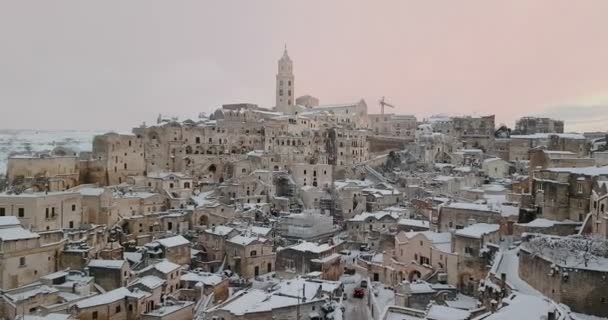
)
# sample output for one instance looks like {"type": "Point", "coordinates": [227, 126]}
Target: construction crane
{"type": "Point", "coordinates": [383, 103]}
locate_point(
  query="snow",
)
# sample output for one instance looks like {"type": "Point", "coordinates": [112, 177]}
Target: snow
{"type": "Point", "coordinates": [254, 300]}
{"type": "Point", "coordinates": [20, 141]}
{"type": "Point", "coordinates": [378, 215]}
{"type": "Point", "coordinates": [414, 223]}
{"type": "Point", "coordinates": [588, 171]}
{"type": "Point", "coordinates": [478, 230]}
{"type": "Point", "coordinates": [442, 241]}
{"type": "Point", "coordinates": [90, 191]}
{"type": "Point", "coordinates": [508, 262]}
{"type": "Point", "coordinates": [245, 240]}
{"type": "Point", "coordinates": [168, 309]}
{"type": "Point", "coordinates": [31, 292]}
{"type": "Point", "coordinates": [220, 230]}
{"type": "Point", "coordinates": [463, 302]}
{"type": "Point", "coordinates": [173, 241]}
{"type": "Point", "coordinates": [437, 312]}
{"type": "Point", "coordinates": [544, 223]}
{"type": "Point", "coordinates": [110, 264]}
{"type": "Point", "coordinates": [151, 282]}
{"type": "Point", "coordinates": [104, 298]}
{"type": "Point", "coordinates": [210, 279]}
{"type": "Point", "coordinates": [577, 136]}
{"type": "Point", "coordinates": [523, 307]}
{"type": "Point", "coordinates": [328, 258]}
{"type": "Point", "coordinates": [164, 266]}
{"type": "Point", "coordinates": [203, 198]}
{"type": "Point", "coordinates": [9, 221]}
{"type": "Point", "coordinates": [312, 247]}
{"type": "Point", "coordinates": [16, 233]}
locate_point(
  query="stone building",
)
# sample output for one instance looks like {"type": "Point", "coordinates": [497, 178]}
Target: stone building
{"type": "Point", "coordinates": [175, 249]}
{"type": "Point", "coordinates": [285, 90]}
{"type": "Point", "coordinates": [393, 125]}
{"type": "Point", "coordinates": [212, 244]}
{"type": "Point", "coordinates": [457, 215]}
{"type": "Point", "coordinates": [57, 170]}
{"type": "Point", "coordinates": [167, 271]}
{"type": "Point", "coordinates": [25, 256]}
{"type": "Point", "coordinates": [475, 245]}
{"type": "Point", "coordinates": [565, 277]}
{"type": "Point", "coordinates": [543, 159]}
{"type": "Point", "coordinates": [520, 145]}
{"type": "Point", "coordinates": [307, 257]}
{"type": "Point", "coordinates": [117, 156]}
{"type": "Point", "coordinates": [564, 193]}
{"type": "Point", "coordinates": [109, 274]}
{"type": "Point", "coordinates": [475, 132]}
{"type": "Point", "coordinates": [496, 168]}
{"type": "Point", "coordinates": [532, 125]}
{"type": "Point", "coordinates": [44, 210]}
{"type": "Point", "coordinates": [250, 256]}
{"type": "Point", "coordinates": [598, 215]}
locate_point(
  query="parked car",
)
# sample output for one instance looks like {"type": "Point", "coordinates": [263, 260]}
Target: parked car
{"type": "Point", "coordinates": [359, 293]}
{"type": "Point", "coordinates": [344, 296]}
{"type": "Point", "coordinates": [363, 284]}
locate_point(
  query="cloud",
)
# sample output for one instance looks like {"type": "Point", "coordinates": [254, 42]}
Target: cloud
{"type": "Point", "coordinates": [580, 117]}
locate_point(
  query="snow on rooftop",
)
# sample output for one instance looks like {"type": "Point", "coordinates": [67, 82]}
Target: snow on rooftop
{"type": "Point", "coordinates": [104, 298]}
{"type": "Point", "coordinates": [16, 233]}
{"type": "Point", "coordinates": [9, 221]}
{"type": "Point", "coordinates": [437, 312]}
{"type": "Point", "coordinates": [245, 240]}
{"type": "Point", "coordinates": [206, 278]}
{"type": "Point", "coordinates": [588, 171]}
{"type": "Point", "coordinates": [172, 241]}
{"type": "Point", "coordinates": [577, 136]}
{"type": "Point", "coordinates": [478, 230]}
{"type": "Point", "coordinates": [312, 247]}
{"type": "Point", "coordinates": [414, 223]}
{"type": "Point", "coordinates": [220, 230]}
{"type": "Point", "coordinates": [91, 191]}
{"type": "Point", "coordinates": [255, 300]}
{"type": "Point", "coordinates": [150, 281]}
{"type": "Point", "coordinates": [164, 266]}
{"type": "Point", "coordinates": [110, 264]}
{"type": "Point", "coordinates": [378, 215]}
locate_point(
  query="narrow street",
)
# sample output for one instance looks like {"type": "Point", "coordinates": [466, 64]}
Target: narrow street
{"type": "Point", "coordinates": [355, 308]}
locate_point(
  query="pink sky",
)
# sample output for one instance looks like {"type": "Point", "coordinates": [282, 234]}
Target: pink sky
{"type": "Point", "coordinates": [74, 65]}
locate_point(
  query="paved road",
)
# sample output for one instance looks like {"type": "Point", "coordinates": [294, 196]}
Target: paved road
{"type": "Point", "coordinates": [355, 308]}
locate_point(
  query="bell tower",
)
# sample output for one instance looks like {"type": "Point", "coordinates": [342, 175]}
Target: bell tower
{"type": "Point", "coordinates": [285, 84]}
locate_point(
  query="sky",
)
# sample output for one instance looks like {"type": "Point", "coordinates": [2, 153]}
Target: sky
{"type": "Point", "coordinates": [112, 64]}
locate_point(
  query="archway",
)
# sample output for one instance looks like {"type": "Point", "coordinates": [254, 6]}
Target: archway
{"type": "Point", "coordinates": [414, 275]}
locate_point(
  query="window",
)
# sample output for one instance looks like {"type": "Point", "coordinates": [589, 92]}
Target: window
{"type": "Point", "coordinates": [2, 212]}
{"type": "Point", "coordinates": [71, 224]}
{"type": "Point", "coordinates": [579, 187]}
{"type": "Point", "coordinates": [22, 262]}
{"type": "Point", "coordinates": [118, 309]}
{"type": "Point", "coordinates": [253, 253]}
{"type": "Point", "coordinates": [94, 315]}
{"type": "Point", "coordinates": [73, 207]}
{"type": "Point", "coordinates": [21, 212]}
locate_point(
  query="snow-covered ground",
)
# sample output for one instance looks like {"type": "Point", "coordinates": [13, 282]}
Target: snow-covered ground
{"type": "Point", "coordinates": [25, 141]}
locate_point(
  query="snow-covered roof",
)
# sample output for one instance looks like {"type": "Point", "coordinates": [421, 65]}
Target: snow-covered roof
{"type": "Point", "coordinates": [588, 171]}
{"type": "Point", "coordinates": [206, 278]}
{"type": "Point", "coordinates": [109, 264]}
{"type": "Point", "coordinates": [544, 223]}
{"type": "Point", "coordinates": [9, 221]}
{"type": "Point", "coordinates": [378, 215]}
{"type": "Point", "coordinates": [220, 230]}
{"type": "Point", "coordinates": [441, 240]}
{"type": "Point", "coordinates": [522, 306]}
{"type": "Point", "coordinates": [312, 247]}
{"type": "Point", "coordinates": [164, 266]}
{"type": "Point", "coordinates": [245, 240]}
{"type": "Point", "coordinates": [254, 300]}
{"type": "Point", "coordinates": [164, 175]}
{"type": "Point", "coordinates": [414, 223]}
{"type": "Point", "coordinates": [173, 241]}
{"type": "Point", "coordinates": [149, 281]}
{"type": "Point", "coordinates": [577, 136]}
{"type": "Point", "coordinates": [16, 233]}
{"type": "Point", "coordinates": [91, 191]}
{"type": "Point", "coordinates": [437, 312]}
{"type": "Point", "coordinates": [104, 298]}
{"type": "Point", "coordinates": [478, 230]}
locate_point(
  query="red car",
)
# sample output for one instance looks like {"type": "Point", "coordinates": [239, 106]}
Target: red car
{"type": "Point", "coordinates": [359, 293]}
